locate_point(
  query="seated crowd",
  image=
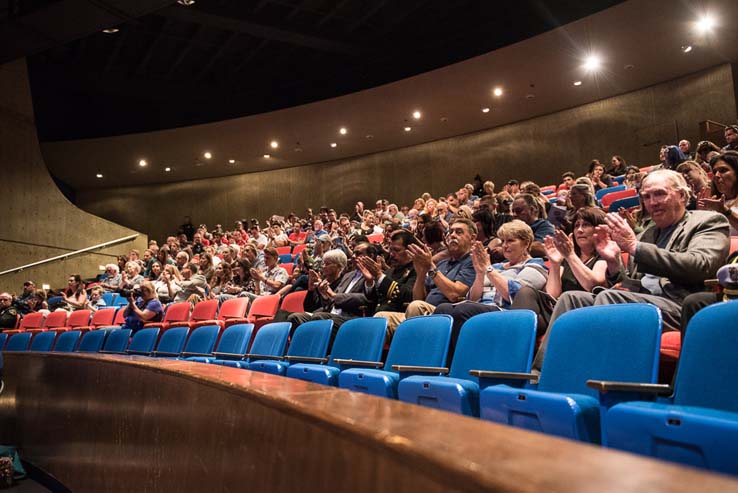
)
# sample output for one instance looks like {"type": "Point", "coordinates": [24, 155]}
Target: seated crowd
{"type": "Point", "coordinates": [468, 252]}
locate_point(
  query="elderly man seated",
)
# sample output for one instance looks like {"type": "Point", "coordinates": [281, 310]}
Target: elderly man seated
{"type": "Point", "coordinates": [669, 260]}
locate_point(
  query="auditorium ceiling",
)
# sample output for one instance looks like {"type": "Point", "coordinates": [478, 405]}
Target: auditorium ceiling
{"type": "Point", "coordinates": [239, 81]}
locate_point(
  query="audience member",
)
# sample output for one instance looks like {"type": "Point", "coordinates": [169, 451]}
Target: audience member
{"type": "Point", "coordinates": [145, 308]}
{"type": "Point", "coordinates": [8, 312]}
{"type": "Point", "coordinates": [724, 199]}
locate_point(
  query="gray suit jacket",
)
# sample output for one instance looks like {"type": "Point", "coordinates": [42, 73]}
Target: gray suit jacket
{"type": "Point", "coordinates": [697, 248]}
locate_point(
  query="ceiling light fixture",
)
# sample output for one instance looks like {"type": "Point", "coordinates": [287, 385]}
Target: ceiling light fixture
{"type": "Point", "coordinates": [267, 156]}
{"type": "Point", "coordinates": [705, 24]}
{"type": "Point", "coordinates": [99, 175]}
{"type": "Point", "coordinates": [686, 48]}
{"type": "Point", "coordinates": [485, 110]}
{"type": "Point", "coordinates": [577, 83]}
{"type": "Point", "coordinates": [497, 91]}
{"type": "Point", "coordinates": [417, 114]}
{"type": "Point", "coordinates": [274, 144]}
{"type": "Point", "coordinates": [333, 144]}
{"type": "Point", "coordinates": [142, 163]}
{"type": "Point", "coordinates": [232, 161]}
{"type": "Point", "coordinates": [111, 30]}
{"type": "Point", "coordinates": [186, 3]}
{"type": "Point", "coordinates": [342, 131]}
{"type": "Point", "coordinates": [592, 63]}
{"type": "Point", "coordinates": [167, 169]}
{"type": "Point", "coordinates": [407, 129]}
{"type": "Point", "coordinates": [207, 155]}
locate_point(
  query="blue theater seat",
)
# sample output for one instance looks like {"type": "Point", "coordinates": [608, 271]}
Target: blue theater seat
{"type": "Point", "coordinates": [19, 342]}
{"type": "Point", "coordinates": [143, 341]}
{"type": "Point", "coordinates": [43, 341]}
{"type": "Point", "coordinates": [201, 341]}
{"type": "Point", "coordinates": [309, 344]}
{"type": "Point", "coordinates": [495, 342]}
{"type": "Point", "coordinates": [232, 345]}
{"type": "Point", "coordinates": [172, 342]}
{"type": "Point", "coordinates": [67, 341]}
{"type": "Point", "coordinates": [359, 339]}
{"type": "Point", "coordinates": [418, 341]}
{"type": "Point", "coordinates": [269, 342]}
{"type": "Point", "coordinates": [117, 341]}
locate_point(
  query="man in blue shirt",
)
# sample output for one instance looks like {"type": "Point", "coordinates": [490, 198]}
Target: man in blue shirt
{"type": "Point", "coordinates": [526, 208]}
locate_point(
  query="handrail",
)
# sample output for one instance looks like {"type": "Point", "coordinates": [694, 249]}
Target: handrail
{"type": "Point", "coordinates": [70, 254]}
{"type": "Point", "coordinates": [716, 123]}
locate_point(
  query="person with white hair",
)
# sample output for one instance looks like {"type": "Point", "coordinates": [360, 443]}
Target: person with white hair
{"type": "Point", "coordinates": [113, 279]}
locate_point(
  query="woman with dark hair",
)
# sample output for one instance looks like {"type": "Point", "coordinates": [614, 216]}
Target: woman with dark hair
{"type": "Point", "coordinates": [633, 178]}
{"type": "Point", "coordinates": [597, 175]}
{"type": "Point", "coordinates": [222, 276]}
{"type": "Point", "coordinates": [485, 224]}
{"type": "Point", "coordinates": [618, 166]}
{"type": "Point", "coordinates": [704, 151]}
{"type": "Point", "coordinates": [206, 266]}
{"type": "Point", "coordinates": [75, 295]}
{"type": "Point", "coordinates": [434, 236]}
{"type": "Point", "coordinates": [164, 257]}
{"type": "Point", "coordinates": [575, 266]}
{"type": "Point", "coordinates": [724, 189]}
{"type": "Point", "coordinates": [697, 180]}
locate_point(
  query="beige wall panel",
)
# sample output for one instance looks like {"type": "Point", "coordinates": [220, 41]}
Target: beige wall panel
{"type": "Point", "coordinates": [633, 125]}
{"type": "Point", "coordinates": [38, 222]}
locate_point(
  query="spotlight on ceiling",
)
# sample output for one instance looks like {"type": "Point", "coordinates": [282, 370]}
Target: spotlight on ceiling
{"type": "Point", "coordinates": [142, 163]}
{"type": "Point", "coordinates": [704, 24]}
{"type": "Point", "coordinates": [592, 63]}
{"type": "Point", "coordinates": [417, 114]}
{"type": "Point", "coordinates": [686, 48]}
{"type": "Point", "coordinates": [485, 110]}
{"type": "Point", "coordinates": [407, 129]}
{"type": "Point", "coordinates": [342, 131]}
{"type": "Point", "coordinates": [99, 175]}
{"type": "Point", "coordinates": [274, 144]}
{"type": "Point", "coordinates": [497, 91]}
{"type": "Point", "coordinates": [333, 144]}
{"type": "Point", "coordinates": [577, 83]}
{"type": "Point", "coordinates": [267, 156]}
{"type": "Point", "coordinates": [186, 3]}
{"type": "Point", "coordinates": [231, 161]}
{"type": "Point", "coordinates": [207, 155]}
{"type": "Point", "coordinates": [111, 30]}
{"type": "Point", "coordinates": [167, 169]}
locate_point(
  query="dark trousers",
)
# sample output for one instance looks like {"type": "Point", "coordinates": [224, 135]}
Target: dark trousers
{"type": "Point", "coordinates": [539, 302]}
{"type": "Point", "coordinates": [694, 303]}
{"type": "Point", "coordinates": [461, 312]}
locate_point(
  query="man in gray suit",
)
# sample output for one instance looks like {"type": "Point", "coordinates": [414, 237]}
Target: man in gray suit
{"type": "Point", "coordinates": [669, 260]}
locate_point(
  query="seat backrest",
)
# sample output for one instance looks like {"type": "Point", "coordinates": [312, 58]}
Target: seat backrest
{"type": "Point", "coordinates": [420, 341]}
{"type": "Point", "coordinates": [108, 298]}
{"type": "Point", "coordinates": [67, 341]}
{"type": "Point", "coordinates": [375, 238]}
{"type": "Point", "coordinates": [294, 302]}
{"type": "Point", "coordinates": [264, 306]}
{"type": "Point", "coordinates": [144, 340]}
{"type": "Point", "coordinates": [120, 316]}
{"type": "Point", "coordinates": [613, 196]}
{"type": "Point", "coordinates": [204, 310]}
{"type": "Point", "coordinates": [103, 317]}
{"type": "Point", "coordinates": [56, 319]}
{"type": "Point", "coordinates": [284, 249]}
{"type": "Point", "coordinates": [202, 340]}
{"type": "Point", "coordinates": [733, 244]}
{"type": "Point", "coordinates": [178, 312]}
{"type": "Point", "coordinates": [360, 339]}
{"type": "Point", "coordinates": [609, 342]}
{"type": "Point", "coordinates": [3, 340]}
{"type": "Point", "coordinates": [233, 308]}
{"type": "Point", "coordinates": [625, 203]}
{"type": "Point", "coordinates": [311, 339]}
{"type": "Point", "coordinates": [285, 258]}
{"type": "Point", "coordinates": [92, 341]}
{"type": "Point", "coordinates": [117, 340]}
{"type": "Point", "coordinates": [19, 342]}
{"type": "Point", "coordinates": [43, 341]}
{"type": "Point", "coordinates": [707, 375]}
{"type": "Point", "coordinates": [604, 191]}
{"type": "Point", "coordinates": [495, 341]}
{"type": "Point", "coordinates": [298, 249]}
{"type": "Point", "coordinates": [289, 267]}
{"type": "Point", "coordinates": [79, 318]}
{"type": "Point", "coordinates": [235, 339]}
{"type": "Point", "coordinates": [173, 340]}
{"type": "Point", "coordinates": [32, 321]}
{"type": "Point", "coordinates": [271, 339]}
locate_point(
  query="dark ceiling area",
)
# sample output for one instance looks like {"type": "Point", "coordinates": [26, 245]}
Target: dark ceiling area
{"type": "Point", "coordinates": [180, 65]}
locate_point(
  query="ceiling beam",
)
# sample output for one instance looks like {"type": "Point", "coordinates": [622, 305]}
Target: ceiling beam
{"type": "Point", "coordinates": [332, 12]}
{"type": "Point", "coordinates": [151, 48]}
{"type": "Point", "coordinates": [377, 5]}
{"type": "Point", "coordinates": [259, 30]}
{"type": "Point", "coordinates": [185, 50]}
{"type": "Point", "coordinates": [216, 55]}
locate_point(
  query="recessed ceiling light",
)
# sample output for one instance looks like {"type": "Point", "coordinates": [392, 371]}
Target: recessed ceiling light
{"type": "Point", "coordinates": [333, 144]}
{"type": "Point", "coordinates": [417, 114]}
{"type": "Point", "coordinates": [267, 156]}
{"type": "Point", "coordinates": [232, 161]}
{"type": "Point", "coordinates": [497, 91]}
{"type": "Point", "coordinates": [485, 110]}
{"type": "Point", "coordinates": [111, 30]}
{"type": "Point", "coordinates": [369, 136]}
{"type": "Point", "coordinates": [577, 83]}
{"type": "Point", "coordinates": [99, 175]}
{"type": "Point", "coordinates": [407, 129]}
{"type": "Point", "coordinates": [686, 48]}
{"type": "Point", "coordinates": [142, 163]}
{"type": "Point", "coordinates": [186, 3]}
{"type": "Point", "coordinates": [705, 23]}
{"type": "Point", "coordinates": [342, 131]}
{"type": "Point", "coordinates": [167, 169]}
{"type": "Point", "coordinates": [274, 144]}
{"type": "Point", "coordinates": [592, 63]}
{"type": "Point", "coordinates": [207, 155]}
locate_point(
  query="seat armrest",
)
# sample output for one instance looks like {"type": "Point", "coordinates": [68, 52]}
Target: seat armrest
{"type": "Point", "coordinates": [196, 354]}
{"type": "Point", "coordinates": [263, 356]}
{"type": "Point", "coordinates": [358, 362]}
{"type": "Point", "coordinates": [111, 352]}
{"type": "Point", "coordinates": [165, 353]}
{"type": "Point", "coordinates": [306, 359]}
{"type": "Point", "coordinates": [504, 374]}
{"type": "Point", "coordinates": [140, 353]}
{"type": "Point", "coordinates": [603, 387]}
{"type": "Point", "coordinates": [228, 355]}
{"type": "Point", "coordinates": [420, 369]}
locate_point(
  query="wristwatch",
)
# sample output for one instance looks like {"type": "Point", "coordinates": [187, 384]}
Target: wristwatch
{"type": "Point", "coordinates": [490, 269]}
{"type": "Point", "coordinates": [432, 273]}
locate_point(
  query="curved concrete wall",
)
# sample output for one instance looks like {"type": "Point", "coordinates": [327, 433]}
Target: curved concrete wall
{"type": "Point", "coordinates": [38, 222]}
{"type": "Point", "coordinates": [633, 124]}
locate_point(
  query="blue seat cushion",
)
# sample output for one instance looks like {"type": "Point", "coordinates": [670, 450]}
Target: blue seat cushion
{"type": "Point", "coordinates": [269, 366]}
{"type": "Point", "coordinates": [370, 381]}
{"type": "Point", "coordinates": [455, 395]}
{"type": "Point", "coordinates": [322, 374]}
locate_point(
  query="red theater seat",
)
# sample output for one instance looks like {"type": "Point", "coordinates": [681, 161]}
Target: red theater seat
{"type": "Point", "coordinates": [177, 312]}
